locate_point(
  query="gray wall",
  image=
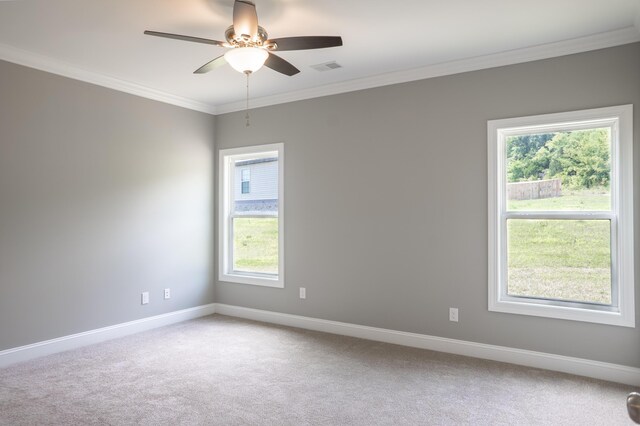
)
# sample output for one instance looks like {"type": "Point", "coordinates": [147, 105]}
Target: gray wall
{"type": "Point", "coordinates": [386, 200]}
{"type": "Point", "coordinates": [103, 195]}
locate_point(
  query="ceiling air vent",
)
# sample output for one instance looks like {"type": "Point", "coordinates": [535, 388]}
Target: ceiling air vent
{"type": "Point", "coordinates": [327, 66]}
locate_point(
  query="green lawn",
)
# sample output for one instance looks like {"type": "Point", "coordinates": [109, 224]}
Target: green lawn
{"type": "Point", "coordinates": [255, 245]}
{"type": "Point", "coordinates": [561, 259]}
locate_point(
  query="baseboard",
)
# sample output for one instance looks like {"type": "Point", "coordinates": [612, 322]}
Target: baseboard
{"type": "Point", "coordinates": [582, 367]}
{"type": "Point", "coordinates": [48, 347]}
{"type": "Point", "coordinates": [578, 366]}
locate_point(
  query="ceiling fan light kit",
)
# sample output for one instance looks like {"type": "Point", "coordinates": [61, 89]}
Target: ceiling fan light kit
{"type": "Point", "coordinates": [246, 59]}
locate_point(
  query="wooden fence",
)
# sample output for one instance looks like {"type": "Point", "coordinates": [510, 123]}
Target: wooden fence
{"type": "Point", "coordinates": [534, 189]}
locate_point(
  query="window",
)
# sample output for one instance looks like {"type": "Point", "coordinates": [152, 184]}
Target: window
{"type": "Point", "coordinates": [251, 222]}
{"type": "Point", "coordinates": [246, 178]}
{"type": "Point", "coordinates": [561, 216]}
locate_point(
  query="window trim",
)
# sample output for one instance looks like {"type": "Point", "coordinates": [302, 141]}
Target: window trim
{"type": "Point", "coordinates": [225, 216]}
{"type": "Point", "coordinates": [621, 216]}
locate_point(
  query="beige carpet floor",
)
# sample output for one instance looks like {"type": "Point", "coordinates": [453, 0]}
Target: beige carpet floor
{"type": "Point", "coordinates": [223, 371]}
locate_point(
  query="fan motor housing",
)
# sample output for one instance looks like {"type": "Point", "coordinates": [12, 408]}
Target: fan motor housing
{"type": "Point", "coordinates": [244, 40]}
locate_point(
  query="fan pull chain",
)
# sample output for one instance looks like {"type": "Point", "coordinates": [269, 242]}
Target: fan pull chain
{"type": "Point", "coordinates": [247, 110]}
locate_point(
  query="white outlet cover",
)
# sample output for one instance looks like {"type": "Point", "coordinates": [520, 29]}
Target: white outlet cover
{"type": "Point", "coordinates": [303, 293]}
{"type": "Point", "coordinates": [145, 297]}
{"type": "Point", "coordinates": [453, 314]}
{"type": "Point", "coordinates": [167, 293]}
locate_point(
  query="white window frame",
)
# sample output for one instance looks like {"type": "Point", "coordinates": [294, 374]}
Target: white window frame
{"type": "Point", "coordinates": [225, 203]}
{"type": "Point", "coordinates": [620, 120]}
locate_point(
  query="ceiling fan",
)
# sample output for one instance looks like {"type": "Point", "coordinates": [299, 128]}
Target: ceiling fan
{"type": "Point", "coordinates": [249, 45]}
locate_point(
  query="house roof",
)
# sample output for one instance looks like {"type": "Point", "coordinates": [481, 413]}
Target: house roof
{"type": "Point", "coordinates": [256, 161]}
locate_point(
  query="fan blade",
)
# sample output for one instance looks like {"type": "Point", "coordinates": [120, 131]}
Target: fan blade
{"type": "Point", "coordinates": [276, 63]}
{"type": "Point", "coordinates": [304, 43]}
{"type": "Point", "coordinates": [217, 62]}
{"type": "Point", "coordinates": [186, 38]}
{"type": "Point", "coordinates": [245, 18]}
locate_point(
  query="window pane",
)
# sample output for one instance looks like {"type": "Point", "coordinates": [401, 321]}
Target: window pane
{"type": "Point", "coordinates": [567, 260]}
{"type": "Point", "coordinates": [255, 245]}
{"type": "Point", "coordinates": [256, 185]}
{"type": "Point", "coordinates": [569, 170]}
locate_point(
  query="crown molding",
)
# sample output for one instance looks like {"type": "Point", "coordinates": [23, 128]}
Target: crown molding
{"type": "Point", "coordinates": [567, 47]}
{"type": "Point", "coordinates": [544, 51]}
{"type": "Point", "coordinates": [65, 69]}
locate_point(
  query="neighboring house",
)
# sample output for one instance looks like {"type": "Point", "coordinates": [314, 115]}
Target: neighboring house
{"type": "Point", "coordinates": [256, 185]}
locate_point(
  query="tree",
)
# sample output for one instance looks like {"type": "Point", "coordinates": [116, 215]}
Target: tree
{"type": "Point", "coordinates": [520, 152]}
{"type": "Point", "coordinates": [580, 158]}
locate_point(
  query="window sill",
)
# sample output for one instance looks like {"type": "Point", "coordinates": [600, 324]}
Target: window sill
{"type": "Point", "coordinates": [562, 312]}
{"type": "Point", "coordinates": [238, 278]}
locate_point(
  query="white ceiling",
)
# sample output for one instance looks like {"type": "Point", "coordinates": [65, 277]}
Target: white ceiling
{"type": "Point", "coordinates": [102, 41]}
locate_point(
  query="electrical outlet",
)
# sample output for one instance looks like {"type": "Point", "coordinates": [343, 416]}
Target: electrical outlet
{"type": "Point", "coordinates": [303, 293]}
{"type": "Point", "coordinates": [145, 297]}
{"type": "Point", "coordinates": [167, 293]}
{"type": "Point", "coordinates": [453, 314]}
